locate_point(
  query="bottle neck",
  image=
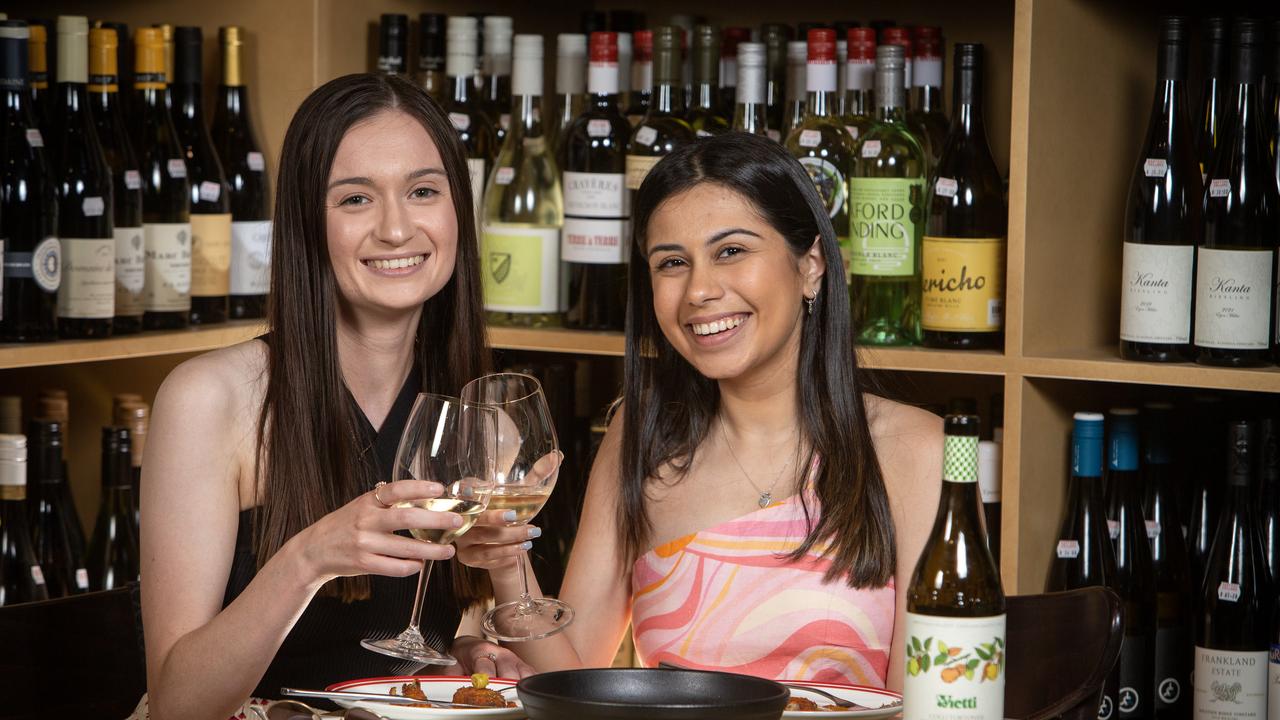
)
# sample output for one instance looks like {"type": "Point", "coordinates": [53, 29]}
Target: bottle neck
{"type": "Point", "coordinates": [460, 87]}
{"type": "Point", "coordinates": [602, 80]}
{"type": "Point", "coordinates": [705, 96]}
{"type": "Point", "coordinates": [73, 100]}
{"type": "Point", "coordinates": [820, 87]}
{"type": "Point", "coordinates": [926, 98]}
{"type": "Point", "coordinates": [187, 101]}
{"type": "Point", "coordinates": [889, 94]}
{"type": "Point", "coordinates": [234, 100]}
{"type": "Point", "coordinates": [668, 98]}
{"type": "Point", "coordinates": [526, 115]}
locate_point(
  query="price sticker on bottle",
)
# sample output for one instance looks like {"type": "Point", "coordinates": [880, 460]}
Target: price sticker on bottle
{"type": "Point", "coordinates": [946, 187]}
{"type": "Point", "coordinates": [1219, 188]}
{"type": "Point", "coordinates": [701, 133]}
{"type": "Point", "coordinates": [37, 575]}
{"type": "Point", "coordinates": [210, 191]}
{"type": "Point", "coordinates": [774, 135]}
{"type": "Point", "coordinates": [460, 121]}
{"type": "Point", "coordinates": [1068, 549]}
{"type": "Point", "coordinates": [82, 578]}
{"type": "Point", "coordinates": [1153, 529]}
{"type": "Point", "coordinates": [1229, 591]}
{"type": "Point", "coordinates": [598, 128]}
{"type": "Point", "coordinates": [34, 138]}
{"type": "Point", "coordinates": [810, 138]}
{"type": "Point", "coordinates": [871, 148]}
{"type": "Point", "coordinates": [852, 130]}
{"type": "Point", "coordinates": [133, 179]}
{"type": "Point", "coordinates": [1113, 529]}
{"type": "Point", "coordinates": [177, 168]}
{"type": "Point", "coordinates": [504, 175]}
{"type": "Point", "coordinates": [93, 207]}
{"type": "Point", "coordinates": [1155, 167]}
{"type": "Point", "coordinates": [256, 162]}
{"type": "Point", "coordinates": [646, 135]}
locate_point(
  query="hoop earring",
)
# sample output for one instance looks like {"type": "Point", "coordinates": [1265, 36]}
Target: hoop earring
{"type": "Point", "coordinates": [809, 301]}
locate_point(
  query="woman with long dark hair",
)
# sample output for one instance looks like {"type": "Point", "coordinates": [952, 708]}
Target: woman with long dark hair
{"type": "Point", "coordinates": [752, 508]}
{"type": "Point", "coordinates": [268, 552]}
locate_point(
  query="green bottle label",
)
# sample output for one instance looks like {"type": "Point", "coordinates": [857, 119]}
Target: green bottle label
{"type": "Point", "coordinates": [521, 268]}
{"type": "Point", "coordinates": [884, 224]}
{"type": "Point", "coordinates": [960, 458]}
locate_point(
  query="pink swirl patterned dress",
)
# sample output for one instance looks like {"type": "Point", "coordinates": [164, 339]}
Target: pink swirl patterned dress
{"type": "Point", "coordinates": [728, 598]}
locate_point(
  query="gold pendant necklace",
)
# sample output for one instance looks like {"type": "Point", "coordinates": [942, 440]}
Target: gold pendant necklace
{"type": "Point", "coordinates": [766, 496]}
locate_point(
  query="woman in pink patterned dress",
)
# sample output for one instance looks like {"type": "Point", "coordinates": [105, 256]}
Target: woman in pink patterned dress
{"type": "Point", "coordinates": [752, 508]}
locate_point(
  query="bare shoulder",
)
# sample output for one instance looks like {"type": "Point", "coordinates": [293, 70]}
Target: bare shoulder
{"type": "Point", "coordinates": [908, 444]}
{"type": "Point", "coordinates": [220, 381]}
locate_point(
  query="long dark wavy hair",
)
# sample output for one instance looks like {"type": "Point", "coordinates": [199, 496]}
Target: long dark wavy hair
{"type": "Point", "coordinates": [308, 453]}
{"type": "Point", "coordinates": [668, 406]}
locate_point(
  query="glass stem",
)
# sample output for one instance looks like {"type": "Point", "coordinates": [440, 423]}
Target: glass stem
{"type": "Point", "coordinates": [526, 601]}
{"type": "Point", "coordinates": [416, 616]}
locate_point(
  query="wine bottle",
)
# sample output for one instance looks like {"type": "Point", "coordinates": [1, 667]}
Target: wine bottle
{"type": "Point", "coordinates": [663, 128]}
{"type": "Point", "coordinates": [776, 52]}
{"type": "Point", "coordinates": [524, 208]}
{"type": "Point", "coordinates": [797, 72]}
{"type": "Point", "coordinates": [625, 53]}
{"type": "Point", "coordinates": [887, 215]}
{"type": "Point", "coordinates": [463, 105]}
{"type": "Point", "coordinates": [166, 191]}
{"type": "Point", "coordinates": [901, 37]}
{"type": "Point", "coordinates": [1135, 581]}
{"type": "Point", "coordinates": [1207, 458]}
{"type": "Point", "coordinates": [1169, 566]}
{"type": "Point", "coordinates": [86, 296]}
{"type": "Point", "coordinates": [431, 33]}
{"type": "Point", "coordinates": [10, 415]}
{"type": "Point", "coordinates": [124, 72]}
{"type": "Point", "coordinates": [55, 527]}
{"type": "Point", "coordinates": [1214, 96]}
{"type": "Point", "coordinates": [731, 38]}
{"type": "Point", "coordinates": [641, 76]}
{"type": "Point", "coordinates": [859, 80]}
{"type": "Point", "coordinates": [955, 630]}
{"type": "Point", "coordinates": [210, 192]}
{"type": "Point", "coordinates": [393, 43]}
{"type": "Point", "coordinates": [705, 115]}
{"type": "Point", "coordinates": [962, 300]}
{"type": "Point", "coordinates": [1162, 218]}
{"type": "Point", "coordinates": [1236, 599]}
{"type": "Point", "coordinates": [1269, 492]}
{"type": "Point", "coordinates": [1083, 556]}
{"type": "Point", "coordinates": [751, 109]}
{"type": "Point", "coordinates": [1235, 264]}
{"type": "Point", "coordinates": [135, 416]}
{"type": "Point", "coordinates": [926, 118]}
{"type": "Point", "coordinates": [595, 242]}
{"type": "Point", "coordinates": [590, 21]}
{"type": "Point", "coordinates": [496, 76]}
{"type": "Point", "coordinates": [246, 173]}
{"type": "Point", "coordinates": [819, 141]}
{"type": "Point", "coordinates": [42, 109]}
{"type": "Point", "coordinates": [126, 180]}
{"type": "Point", "coordinates": [989, 485]}
{"type": "Point", "coordinates": [28, 204]}
{"type": "Point", "coordinates": [21, 578]}
{"type": "Point", "coordinates": [571, 85]}
{"type": "Point", "coordinates": [113, 552]}
{"type": "Point", "coordinates": [842, 70]}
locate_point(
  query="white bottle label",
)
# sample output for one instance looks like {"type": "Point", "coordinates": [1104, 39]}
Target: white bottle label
{"type": "Point", "coordinates": [88, 288]}
{"type": "Point", "coordinates": [133, 179]}
{"type": "Point", "coordinates": [92, 207]}
{"type": "Point", "coordinates": [1155, 167]}
{"type": "Point", "coordinates": [461, 121]}
{"type": "Point", "coordinates": [871, 148]}
{"type": "Point", "coordinates": [1229, 591]}
{"type": "Point", "coordinates": [598, 128]}
{"type": "Point", "coordinates": [1233, 294]}
{"type": "Point", "coordinates": [177, 168]}
{"type": "Point", "coordinates": [1068, 549]}
{"type": "Point", "coordinates": [1230, 685]}
{"type": "Point", "coordinates": [250, 257]}
{"type": "Point", "coordinates": [588, 240]}
{"type": "Point", "coordinates": [210, 191]}
{"type": "Point", "coordinates": [82, 579]}
{"type": "Point", "coordinates": [1156, 292]}
{"type": "Point", "coordinates": [955, 668]}
{"type": "Point", "coordinates": [810, 138]}
{"type": "Point", "coordinates": [168, 267]}
{"type": "Point", "coordinates": [1219, 188]}
{"type": "Point", "coordinates": [596, 195]}
{"type": "Point", "coordinates": [1273, 683]}
{"type": "Point", "coordinates": [946, 187]}
{"type": "Point", "coordinates": [131, 259]}
{"type": "Point", "coordinates": [646, 135]}
{"type": "Point", "coordinates": [46, 264]}
{"type": "Point", "coordinates": [255, 161]}
{"type": "Point", "coordinates": [521, 268]}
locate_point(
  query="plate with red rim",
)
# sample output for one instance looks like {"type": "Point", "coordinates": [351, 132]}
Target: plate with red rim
{"type": "Point", "coordinates": [875, 702]}
{"type": "Point", "coordinates": [436, 687]}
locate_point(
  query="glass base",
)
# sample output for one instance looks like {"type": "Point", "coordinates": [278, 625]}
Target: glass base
{"type": "Point", "coordinates": [409, 645]}
{"type": "Point", "coordinates": [516, 622]}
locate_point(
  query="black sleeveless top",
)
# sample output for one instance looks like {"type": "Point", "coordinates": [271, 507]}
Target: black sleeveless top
{"type": "Point", "coordinates": [324, 645]}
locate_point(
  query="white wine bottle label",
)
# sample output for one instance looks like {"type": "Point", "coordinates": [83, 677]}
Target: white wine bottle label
{"type": "Point", "coordinates": [88, 288]}
{"type": "Point", "coordinates": [830, 182]}
{"type": "Point", "coordinates": [596, 195]}
{"type": "Point", "coordinates": [250, 272]}
{"type": "Point", "coordinates": [883, 225]}
{"type": "Point", "coordinates": [168, 267]}
{"type": "Point", "coordinates": [210, 254]}
{"type": "Point", "coordinates": [955, 668]}
{"type": "Point", "coordinates": [1156, 292]}
{"type": "Point", "coordinates": [638, 167]}
{"type": "Point", "coordinates": [43, 265]}
{"type": "Point", "coordinates": [961, 284]}
{"type": "Point", "coordinates": [475, 171]}
{"type": "Point", "coordinates": [131, 259]}
{"type": "Point", "coordinates": [1230, 685]}
{"type": "Point", "coordinates": [521, 270]}
{"type": "Point", "coordinates": [592, 241]}
{"type": "Point", "coordinates": [1233, 299]}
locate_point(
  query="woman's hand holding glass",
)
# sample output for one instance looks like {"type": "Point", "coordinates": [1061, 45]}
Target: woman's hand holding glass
{"type": "Point", "coordinates": [500, 536]}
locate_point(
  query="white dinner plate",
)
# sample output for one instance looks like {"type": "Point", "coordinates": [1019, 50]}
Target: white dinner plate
{"type": "Point", "coordinates": [880, 703]}
{"type": "Point", "coordinates": [436, 687]}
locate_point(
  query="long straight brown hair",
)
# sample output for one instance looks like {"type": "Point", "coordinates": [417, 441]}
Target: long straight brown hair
{"type": "Point", "coordinates": [308, 453]}
{"type": "Point", "coordinates": [669, 406]}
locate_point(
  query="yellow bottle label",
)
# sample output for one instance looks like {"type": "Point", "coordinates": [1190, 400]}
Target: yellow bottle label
{"type": "Point", "coordinates": [521, 268]}
{"type": "Point", "coordinates": [963, 284]}
{"type": "Point", "coordinates": [638, 167]}
{"type": "Point", "coordinates": [210, 255]}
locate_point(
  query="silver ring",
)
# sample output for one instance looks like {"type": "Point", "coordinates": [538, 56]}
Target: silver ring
{"type": "Point", "coordinates": [493, 658]}
{"type": "Point", "coordinates": [376, 497]}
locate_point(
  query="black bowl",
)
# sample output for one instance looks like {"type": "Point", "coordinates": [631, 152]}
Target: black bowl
{"type": "Point", "coordinates": [636, 694]}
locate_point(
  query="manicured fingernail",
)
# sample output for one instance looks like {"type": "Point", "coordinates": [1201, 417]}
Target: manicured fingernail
{"type": "Point", "coordinates": [457, 521]}
{"type": "Point", "coordinates": [535, 532]}
{"type": "Point", "coordinates": [526, 545]}
{"type": "Point", "coordinates": [509, 516]}
{"type": "Point", "coordinates": [435, 487]}
{"type": "Point", "coordinates": [452, 551]}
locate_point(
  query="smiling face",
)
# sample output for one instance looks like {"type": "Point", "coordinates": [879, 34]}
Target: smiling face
{"type": "Point", "coordinates": [390, 224]}
{"type": "Point", "coordinates": [728, 292]}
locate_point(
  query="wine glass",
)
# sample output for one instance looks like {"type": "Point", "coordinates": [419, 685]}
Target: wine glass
{"type": "Point", "coordinates": [455, 444]}
{"type": "Point", "coordinates": [528, 461]}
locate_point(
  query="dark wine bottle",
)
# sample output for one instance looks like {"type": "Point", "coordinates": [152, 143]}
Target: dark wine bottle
{"type": "Point", "coordinates": [1135, 580]}
{"type": "Point", "coordinates": [166, 191]}
{"type": "Point", "coordinates": [641, 76]}
{"type": "Point", "coordinates": [55, 527]}
{"type": "Point", "coordinates": [663, 128]}
{"type": "Point", "coordinates": [135, 416]}
{"type": "Point", "coordinates": [124, 74]}
{"type": "Point", "coordinates": [113, 552]}
{"type": "Point", "coordinates": [705, 114]}
{"type": "Point", "coordinates": [1169, 565]}
{"type": "Point", "coordinates": [495, 80]}
{"type": "Point", "coordinates": [1235, 264]}
{"type": "Point", "coordinates": [955, 630]}
{"type": "Point", "coordinates": [1163, 225]}
{"type": "Point", "coordinates": [463, 105]}
{"type": "Point", "coordinates": [42, 109]}
{"type": "Point", "coordinates": [126, 188]}
{"type": "Point", "coordinates": [246, 172]}
{"type": "Point", "coordinates": [1214, 97]}
{"type": "Point", "coordinates": [776, 40]}
{"type": "Point", "coordinates": [430, 75]}
{"type": "Point", "coordinates": [1269, 492]}
{"type": "Point", "coordinates": [210, 192]}
{"type": "Point", "coordinates": [1233, 622]}
{"type": "Point", "coordinates": [1084, 556]}
{"type": "Point", "coordinates": [989, 484]}
{"type": "Point", "coordinates": [597, 205]}
{"type": "Point", "coordinates": [21, 579]}
{"type": "Point", "coordinates": [28, 204]}
{"type": "Point", "coordinates": [962, 301]}
{"type": "Point", "coordinates": [393, 44]}
{"type": "Point", "coordinates": [86, 297]}
{"type": "Point", "coordinates": [1206, 459]}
